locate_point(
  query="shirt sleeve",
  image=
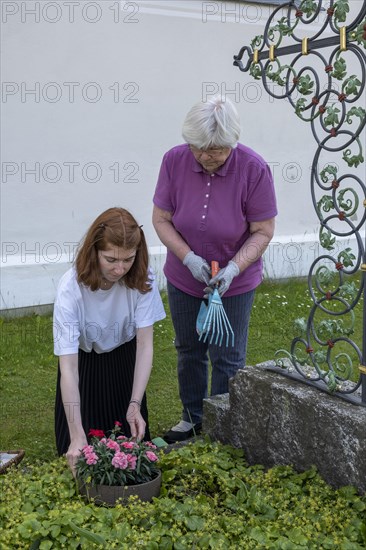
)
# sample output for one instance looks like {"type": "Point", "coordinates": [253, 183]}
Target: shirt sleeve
{"type": "Point", "coordinates": [162, 197]}
{"type": "Point", "coordinates": [150, 307]}
{"type": "Point", "coordinates": [66, 321]}
{"type": "Point", "coordinates": [261, 198]}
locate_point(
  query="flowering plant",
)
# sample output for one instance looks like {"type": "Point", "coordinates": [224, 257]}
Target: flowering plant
{"type": "Point", "coordinates": [116, 460]}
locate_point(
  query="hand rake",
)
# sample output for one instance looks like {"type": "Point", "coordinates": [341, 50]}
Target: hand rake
{"type": "Point", "coordinates": [212, 320]}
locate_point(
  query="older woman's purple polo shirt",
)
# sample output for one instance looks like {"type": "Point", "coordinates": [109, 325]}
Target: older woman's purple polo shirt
{"type": "Point", "coordinates": [213, 212]}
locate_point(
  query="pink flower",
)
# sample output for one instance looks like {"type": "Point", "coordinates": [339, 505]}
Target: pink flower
{"type": "Point", "coordinates": [132, 461]}
{"type": "Point", "coordinates": [151, 445]}
{"type": "Point", "coordinates": [91, 459]}
{"type": "Point", "coordinates": [89, 454]}
{"type": "Point", "coordinates": [112, 445]}
{"type": "Point", "coordinates": [122, 438]}
{"type": "Point", "coordinates": [120, 460]}
{"type": "Point", "coordinates": [128, 445]}
{"type": "Point", "coordinates": [116, 423]}
{"type": "Point", "coordinates": [151, 456]}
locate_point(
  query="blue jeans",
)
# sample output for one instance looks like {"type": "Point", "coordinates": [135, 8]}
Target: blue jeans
{"type": "Point", "coordinates": [193, 354]}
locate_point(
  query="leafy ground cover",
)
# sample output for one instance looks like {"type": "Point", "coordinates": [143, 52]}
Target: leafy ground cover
{"type": "Point", "coordinates": [211, 498]}
{"type": "Point", "coordinates": [28, 366]}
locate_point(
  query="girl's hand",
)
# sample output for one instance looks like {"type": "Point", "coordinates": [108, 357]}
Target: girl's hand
{"type": "Point", "coordinates": [74, 451]}
{"type": "Point", "coordinates": [135, 420]}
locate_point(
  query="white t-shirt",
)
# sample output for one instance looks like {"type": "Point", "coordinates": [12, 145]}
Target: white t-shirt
{"type": "Point", "coordinates": [101, 320]}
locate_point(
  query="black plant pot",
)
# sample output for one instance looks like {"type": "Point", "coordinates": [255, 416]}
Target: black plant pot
{"type": "Point", "coordinates": [108, 494]}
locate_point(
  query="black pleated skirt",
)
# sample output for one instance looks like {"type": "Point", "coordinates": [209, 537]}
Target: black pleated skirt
{"type": "Point", "coordinates": [105, 385]}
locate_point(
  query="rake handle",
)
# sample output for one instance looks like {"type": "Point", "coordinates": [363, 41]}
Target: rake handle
{"type": "Point", "coordinates": [214, 268]}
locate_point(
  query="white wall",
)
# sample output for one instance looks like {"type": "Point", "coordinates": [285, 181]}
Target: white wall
{"type": "Point", "coordinates": [111, 84]}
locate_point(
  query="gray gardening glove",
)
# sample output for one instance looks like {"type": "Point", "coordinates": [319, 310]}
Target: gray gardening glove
{"type": "Point", "coordinates": [223, 279]}
{"type": "Point", "coordinates": [198, 267]}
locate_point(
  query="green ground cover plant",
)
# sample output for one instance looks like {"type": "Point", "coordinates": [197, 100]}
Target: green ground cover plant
{"type": "Point", "coordinates": [28, 367]}
{"type": "Point", "coordinates": [211, 498]}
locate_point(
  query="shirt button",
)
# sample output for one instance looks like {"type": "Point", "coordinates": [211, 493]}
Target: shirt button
{"type": "Point", "coordinates": [207, 196]}
{"type": "Point", "coordinates": [212, 175]}
{"type": "Point", "coordinates": [209, 183]}
{"type": "Point", "coordinates": [205, 206]}
{"type": "Point", "coordinates": [203, 217]}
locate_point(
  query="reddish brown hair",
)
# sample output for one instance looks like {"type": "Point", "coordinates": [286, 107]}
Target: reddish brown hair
{"type": "Point", "coordinates": [114, 227]}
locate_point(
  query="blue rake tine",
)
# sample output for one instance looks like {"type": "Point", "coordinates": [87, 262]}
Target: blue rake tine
{"type": "Point", "coordinates": [215, 326]}
{"type": "Point", "coordinates": [219, 322]}
{"type": "Point", "coordinates": [223, 325]}
{"type": "Point", "coordinates": [228, 328]}
{"type": "Point", "coordinates": [208, 324]}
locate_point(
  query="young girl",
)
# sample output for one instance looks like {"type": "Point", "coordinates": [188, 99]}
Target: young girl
{"type": "Point", "coordinates": [104, 313]}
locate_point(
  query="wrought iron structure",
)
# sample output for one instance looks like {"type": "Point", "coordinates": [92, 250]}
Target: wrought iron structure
{"type": "Point", "coordinates": [317, 84]}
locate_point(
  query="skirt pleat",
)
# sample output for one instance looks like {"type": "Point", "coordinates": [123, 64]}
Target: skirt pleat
{"type": "Point", "coordinates": [105, 385]}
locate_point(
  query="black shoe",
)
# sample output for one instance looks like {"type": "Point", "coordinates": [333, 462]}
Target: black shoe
{"type": "Point", "coordinates": [174, 437]}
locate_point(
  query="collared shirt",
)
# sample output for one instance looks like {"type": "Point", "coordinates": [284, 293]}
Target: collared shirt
{"type": "Point", "coordinates": [212, 212]}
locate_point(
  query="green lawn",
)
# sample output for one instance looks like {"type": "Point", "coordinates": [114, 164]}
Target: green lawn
{"type": "Point", "coordinates": [28, 366]}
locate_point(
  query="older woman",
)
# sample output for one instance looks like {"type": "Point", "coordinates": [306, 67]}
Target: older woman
{"type": "Point", "coordinates": [214, 200]}
{"type": "Point", "coordinates": [104, 313]}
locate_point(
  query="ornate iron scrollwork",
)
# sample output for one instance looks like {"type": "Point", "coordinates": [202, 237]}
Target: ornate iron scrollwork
{"type": "Point", "coordinates": [321, 91]}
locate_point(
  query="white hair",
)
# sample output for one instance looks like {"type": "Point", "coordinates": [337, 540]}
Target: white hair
{"type": "Point", "coordinates": [214, 123]}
